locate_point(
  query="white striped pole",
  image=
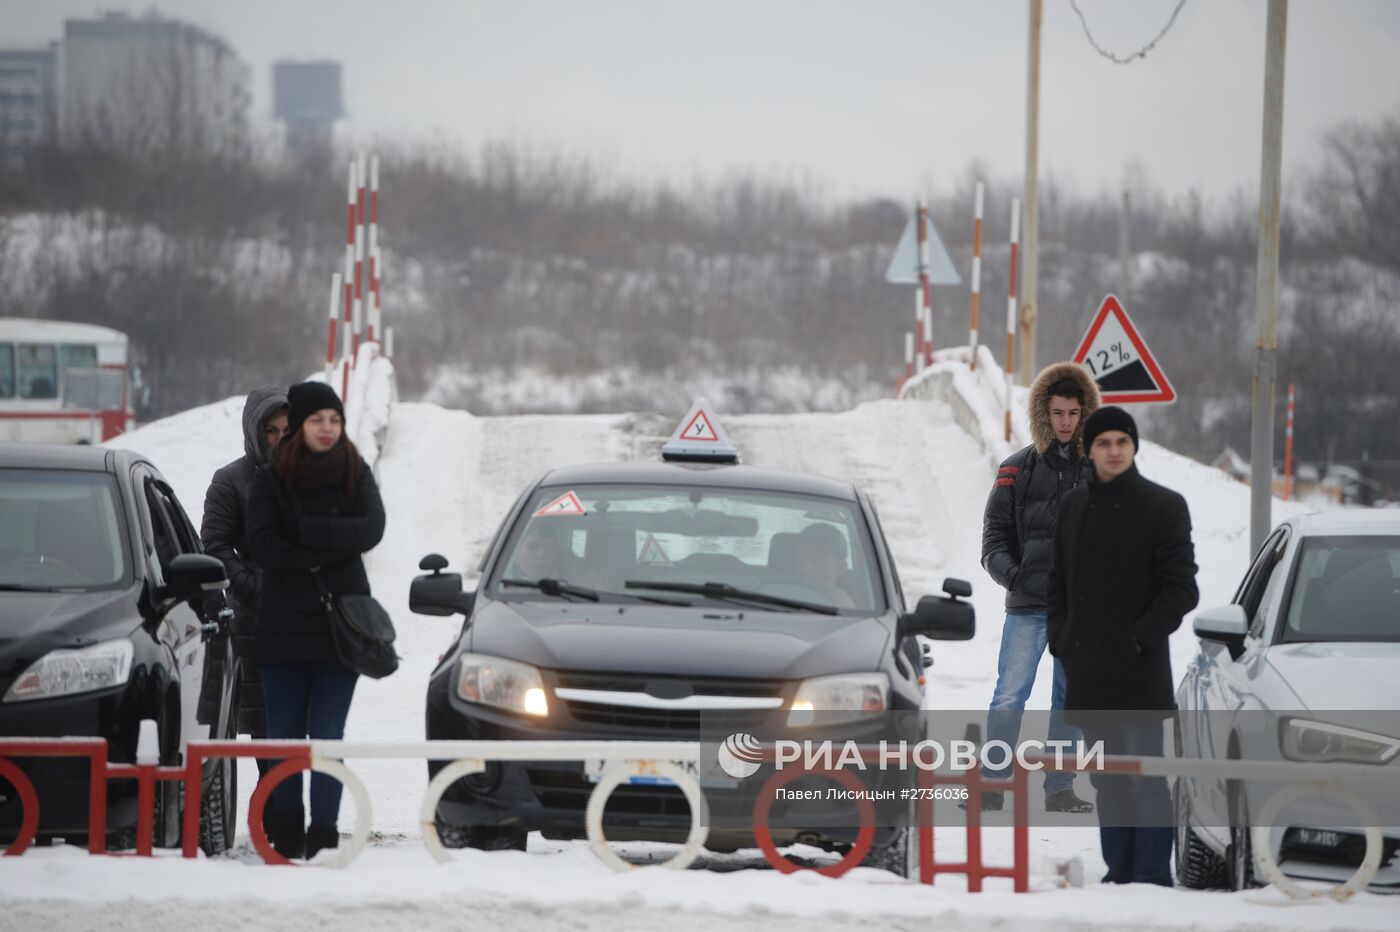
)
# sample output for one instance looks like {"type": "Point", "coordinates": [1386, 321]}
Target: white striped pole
{"type": "Point", "coordinates": [348, 320]}
{"type": "Point", "coordinates": [925, 291]}
{"type": "Point", "coordinates": [376, 316]}
{"type": "Point", "coordinates": [1011, 309]}
{"type": "Point", "coordinates": [372, 330]}
{"type": "Point", "coordinates": [330, 337]}
{"type": "Point", "coordinates": [362, 177]}
{"type": "Point", "coordinates": [919, 332]}
{"type": "Point", "coordinates": [976, 279]}
{"type": "Point", "coordinates": [1288, 450]}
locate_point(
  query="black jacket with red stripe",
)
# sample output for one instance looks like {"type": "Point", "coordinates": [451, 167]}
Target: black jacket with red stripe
{"type": "Point", "coordinates": [1018, 528]}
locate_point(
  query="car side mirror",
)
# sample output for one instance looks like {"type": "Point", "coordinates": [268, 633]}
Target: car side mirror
{"type": "Point", "coordinates": [192, 575]}
{"type": "Point", "coordinates": [439, 593]}
{"type": "Point", "coordinates": [942, 618]}
{"type": "Point", "coordinates": [1224, 624]}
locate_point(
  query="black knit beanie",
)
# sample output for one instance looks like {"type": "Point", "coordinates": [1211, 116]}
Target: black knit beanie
{"type": "Point", "coordinates": [305, 399]}
{"type": "Point", "coordinates": [1109, 418]}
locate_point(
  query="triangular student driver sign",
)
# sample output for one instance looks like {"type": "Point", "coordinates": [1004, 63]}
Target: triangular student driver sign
{"type": "Point", "coordinates": [1118, 358]}
{"type": "Point", "coordinates": [566, 504]}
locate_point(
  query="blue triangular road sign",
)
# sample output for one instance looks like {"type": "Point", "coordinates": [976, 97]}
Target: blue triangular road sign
{"type": "Point", "coordinates": [904, 266]}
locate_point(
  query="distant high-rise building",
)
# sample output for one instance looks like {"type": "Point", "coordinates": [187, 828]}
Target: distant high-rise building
{"type": "Point", "coordinates": [152, 85]}
{"type": "Point", "coordinates": [306, 97]}
{"type": "Point", "coordinates": [28, 103]}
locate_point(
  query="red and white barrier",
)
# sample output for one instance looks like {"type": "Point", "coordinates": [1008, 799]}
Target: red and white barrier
{"type": "Point", "coordinates": [1299, 779]}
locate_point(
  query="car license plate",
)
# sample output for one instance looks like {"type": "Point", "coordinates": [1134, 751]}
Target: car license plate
{"type": "Point", "coordinates": [593, 770]}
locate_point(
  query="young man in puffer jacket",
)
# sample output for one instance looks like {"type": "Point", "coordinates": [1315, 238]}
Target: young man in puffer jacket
{"type": "Point", "coordinates": [1018, 552]}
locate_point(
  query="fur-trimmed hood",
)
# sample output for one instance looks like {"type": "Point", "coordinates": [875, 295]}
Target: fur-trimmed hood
{"type": "Point", "coordinates": [1042, 433]}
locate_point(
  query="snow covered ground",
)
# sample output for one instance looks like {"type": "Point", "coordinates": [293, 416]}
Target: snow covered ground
{"type": "Point", "coordinates": [448, 478]}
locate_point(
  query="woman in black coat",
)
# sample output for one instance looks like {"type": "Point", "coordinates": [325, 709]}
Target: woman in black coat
{"type": "Point", "coordinates": [224, 533]}
{"type": "Point", "coordinates": [312, 512]}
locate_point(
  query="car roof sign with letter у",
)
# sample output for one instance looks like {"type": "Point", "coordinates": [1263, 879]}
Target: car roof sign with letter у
{"type": "Point", "coordinates": [700, 438]}
{"type": "Point", "coordinates": [1118, 358]}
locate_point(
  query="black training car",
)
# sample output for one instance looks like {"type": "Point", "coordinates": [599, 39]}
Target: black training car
{"type": "Point", "coordinates": [102, 624]}
{"type": "Point", "coordinates": [629, 601]}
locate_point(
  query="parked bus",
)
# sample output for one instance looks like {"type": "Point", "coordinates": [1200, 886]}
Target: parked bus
{"type": "Point", "coordinates": [62, 382]}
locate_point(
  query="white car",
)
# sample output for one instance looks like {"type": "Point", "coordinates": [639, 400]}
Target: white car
{"type": "Point", "coordinates": [1303, 664]}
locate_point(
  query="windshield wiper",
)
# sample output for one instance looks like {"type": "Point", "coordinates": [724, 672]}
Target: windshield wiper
{"type": "Point", "coordinates": [719, 590]}
{"type": "Point", "coordinates": [16, 587]}
{"type": "Point", "coordinates": [555, 587]}
{"type": "Point", "coordinates": [560, 587]}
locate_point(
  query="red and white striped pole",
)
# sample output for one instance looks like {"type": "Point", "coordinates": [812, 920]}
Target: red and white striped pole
{"type": "Point", "coordinates": [919, 332]}
{"type": "Point", "coordinates": [372, 324]}
{"type": "Point", "coordinates": [360, 198]}
{"type": "Point", "coordinates": [1011, 309]}
{"type": "Point", "coordinates": [330, 336]}
{"type": "Point", "coordinates": [976, 279]}
{"type": "Point", "coordinates": [908, 362]}
{"type": "Point", "coordinates": [1288, 450]}
{"type": "Point", "coordinates": [348, 320]}
{"type": "Point", "coordinates": [925, 292]}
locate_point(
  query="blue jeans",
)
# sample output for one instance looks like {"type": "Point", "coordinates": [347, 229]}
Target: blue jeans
{"type": "Point", "coordinates": [1023, 639]}
{"type": "Point", "coordinates": [308, 700]}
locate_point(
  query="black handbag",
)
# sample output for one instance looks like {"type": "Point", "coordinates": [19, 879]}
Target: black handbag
{"type": "Point", "coordinates": [361, 630]}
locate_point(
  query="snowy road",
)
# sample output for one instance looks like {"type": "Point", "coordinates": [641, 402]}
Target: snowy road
{"type": "Point", "coordinates": [448, 478]}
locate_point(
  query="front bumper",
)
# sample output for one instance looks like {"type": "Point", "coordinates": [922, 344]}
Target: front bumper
{"type": "Point", "coordinates": [551, 797]}
{"type": "Point", "coordinates": [62, 783]}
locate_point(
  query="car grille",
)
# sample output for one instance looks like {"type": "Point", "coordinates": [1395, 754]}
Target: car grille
{"type": "Point", "coordinates": [569, 789]}
{"type": "Point", "coordinates": [1348, 853]}
{"type": "Point", "coordinates": [668, 722]}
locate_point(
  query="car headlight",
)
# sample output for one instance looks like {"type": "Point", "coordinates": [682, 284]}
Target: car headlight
{"type": "Point", "coordinates": [823, 699]}
{"type": "Point", "coordinates": [66, 672]}
{"type": "Point", "coordinates": [505, 684]}
{"type": "Point", "coordinates": [1323, 742]}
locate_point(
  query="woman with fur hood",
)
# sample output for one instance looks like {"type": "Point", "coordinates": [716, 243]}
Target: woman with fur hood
{"type": "Point", "coordinates": [1018, 551]}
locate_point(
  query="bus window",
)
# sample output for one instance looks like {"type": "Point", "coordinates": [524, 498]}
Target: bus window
{"type": "Point", "coordinates": [37, 368]}
{"type": "Point", "coordinates": [94, 389]}
{"type": "Point", "coordinates": [7, 370]}
{"type": "Point", "coordinates": [77, 357]}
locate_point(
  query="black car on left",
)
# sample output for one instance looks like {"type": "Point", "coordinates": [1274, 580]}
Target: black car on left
{"type": "Point", "coordinates": [103, 623]}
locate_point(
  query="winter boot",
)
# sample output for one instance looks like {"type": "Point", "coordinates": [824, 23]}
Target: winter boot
{"type": "Point", "coordinates": [320, 836]}
{"type": "Point", "coordinates": [288, 834]}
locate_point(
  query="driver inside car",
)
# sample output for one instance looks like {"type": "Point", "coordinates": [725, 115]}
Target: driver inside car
{"type": "Point", "coordinates": [545, 553]}
{"type": "Point", "coordinates": [821, 559]}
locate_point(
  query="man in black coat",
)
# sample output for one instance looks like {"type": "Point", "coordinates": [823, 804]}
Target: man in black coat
{"type": "Point", "coordinates": [224, 532]}
{"type": "Point", "coordinates": [1018, 536]}
{"type": "Point", "coordinates": [1124, 577]}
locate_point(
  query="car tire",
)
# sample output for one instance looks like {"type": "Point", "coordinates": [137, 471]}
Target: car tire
{"type": "Point", "coordinates": [218, 808]}
{"type": "Point", "coordinates": [892, 856]}
{"type": "Point", "coordinates": [1197, 866]}
{"type": "Point", "coordinates": [170, 794]}
{"type": "Point", "coordinates": [1239, 856]}
{"type": "Point", "coordinates": [481, 837]}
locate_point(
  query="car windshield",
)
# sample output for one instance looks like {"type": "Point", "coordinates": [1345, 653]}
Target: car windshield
{"type": "Point", "coordinates": [1345, 589]}
{"type": "Point", "coordinates": [772, 550]}
{"type": "Point", "coordinates": [58, 530]}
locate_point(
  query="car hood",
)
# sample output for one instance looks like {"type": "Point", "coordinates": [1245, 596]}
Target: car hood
{"type": "Point", "coordinates": [34, 623]}
{"type": "Point", "coordinates": [1340, 674]}
{"type": "Point", "coordinates": [662, 640]}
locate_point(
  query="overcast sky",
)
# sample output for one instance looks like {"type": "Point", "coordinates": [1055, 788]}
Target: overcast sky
{"type": "Point", "coordinates": [866, 96]}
